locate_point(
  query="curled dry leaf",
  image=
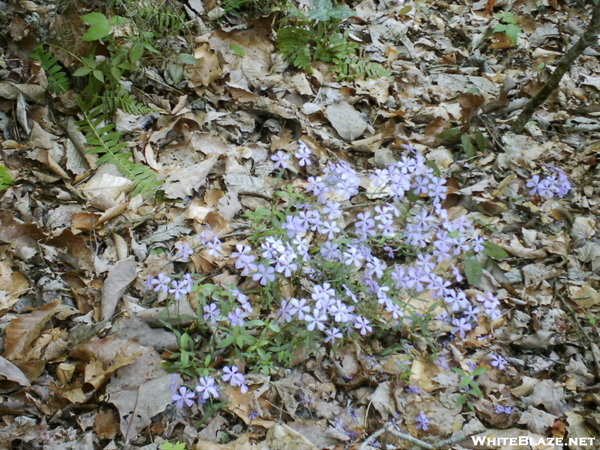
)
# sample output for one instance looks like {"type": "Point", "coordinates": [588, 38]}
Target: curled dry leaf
{"type": "Point", "coordinates": [12, 373]}
{"type": "Point", "coordinates": [23, 330]}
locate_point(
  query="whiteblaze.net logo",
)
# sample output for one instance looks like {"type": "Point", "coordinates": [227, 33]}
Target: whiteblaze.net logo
{"type": "Point", "coordinates": [531, 441]}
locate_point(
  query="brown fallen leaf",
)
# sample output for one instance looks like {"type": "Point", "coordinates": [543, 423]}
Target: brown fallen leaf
{"type": "Point", "coordinates": [23, 330]}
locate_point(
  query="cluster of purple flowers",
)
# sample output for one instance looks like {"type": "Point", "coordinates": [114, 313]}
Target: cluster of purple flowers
{"type": "Point", "coordinates": [177, 288]}
{"type": "Point", "coordinates": [557, 184]}
{"type": "Point", "coordinates": [333, 308]}
{"type": "Point", "coordinates": [207, 387]}
{"type": "Point", "coordinates": [303, 154]}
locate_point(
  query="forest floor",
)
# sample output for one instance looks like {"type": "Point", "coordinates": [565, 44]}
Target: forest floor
{"type": "Point", "coordinates": [203, 246]}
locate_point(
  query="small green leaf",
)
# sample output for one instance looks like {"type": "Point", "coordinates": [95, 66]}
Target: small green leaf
{"type": "Point", "coordinates": [499, 29]}
{"type": "Point", "coordinates": [473, 271]}
{"type": "Point", "coordinates": [135, 54]}
{"type": "Point", "coordinates": [176, 72]}
{"type": "Point", "coordinates": [341, 13]}
{"type": "Point", "coordinates": [186, 58]}
{"type": "Point", "coordinates": [117, 21]}
{"type": "Point", "coordinates": [404, 11]}
{"type": "Point", "coordinates": [479, 371]}
{"type": "Point", "coordinates": [226, 342]}
{"type": "Point", "coordinates": [494, 251]}
{"type": "Point", "coordinates": [97, 32]}
{"type": "Point", "coordinates": [467, 146]}
{"type": "Point", "coordinates": [512, 31]}
{"type": "Point", "coordinates": [98, 75]}
{"type": "Point", "coordinates": [82, 71]}
{"type": "Point", "coordinates": [321, 10]}
{"type": "Point", "coordinates": [95, 18]}
{"type": "Point", "coordinates": [116, 73]}
{"type": "Point", "coordinates": [480, 140]}
{"type": "Point", "coordinates": [237, 50]}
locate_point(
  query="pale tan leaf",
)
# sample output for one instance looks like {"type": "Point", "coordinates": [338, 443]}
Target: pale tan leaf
{"type": "Point", "coordinates": [11, 372]}
{"type": "Point", "coordinates": [346, 120]}
{"type": "Point", "coordinates": [23, 330]}
{"type": "Point", "coordinates": [119, 278]}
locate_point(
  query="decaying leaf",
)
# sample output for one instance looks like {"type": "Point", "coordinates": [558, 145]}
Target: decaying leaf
{"type": "Point", "coordinates": [23, 330]}
{"type": "Point", "coordinates": [118, 280]}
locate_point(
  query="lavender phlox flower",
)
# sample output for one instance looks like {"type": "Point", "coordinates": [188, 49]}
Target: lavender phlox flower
{"type": "Point", "coordinates": [214, 247]}
{"type": "Point", "coordinates": [264, 274]}
{"type": "Point", "coordinates": [442, 362]}
{"type": "Point", "coordinates": [299, 307]}
{"type": "Point", "coordinates": [376, 267]}
{"type": "Point", "coordinates": [317, 186]}
{"type": "Point", "coordinates": [234, 377]}
{"type": "Point", "coordinates": [415, 237]}
{"type": "Point", "coordinates": [340, 312]}
{"type": "Point", "coordinates": [301, 248]}
{"type": "Point", "coordinates": [365, 226]}
{"type": "Point", "coordinates": [206, 236]}
{"type": "Point", "coordinates": [380, 177]}
{"type": "Point", "coordinates": [242, 299]}
{"type": "Point", "coordinates": [438, 285]}
{"type": "Point", "coordinates": [390, 251]}
{"type": "Point", "coordinates": [353, 256]}
{"type": "Point", "coordinates": [422, 421]}
{"type": "Point", "coordinates": [303, 154]}
{"type": "Point", "coordinates": [317, 319]}
{"type": "Point", "coordinates": [323, 295]}
{"type": "Point", "coordinates": [243, 256]}
{"type": "Point", "coordinates": [457, 275]}
{"type": "Point", "coordinates": [461, 327]}
{"type": "Point", "coordinates": [329, 228]}
{"type": "Point", "coordinates": [148, 285]}
{"type": "Point", "coordinates": [236, 317]}
{"type": "Point", "coordinates": [184, 251]}
{"type": "Point", "coordinates": [211, 313]}
{"type": "Point", "coordinates": [420, 185]}
{"type": "Point", "coordinates": [499, 409]}
{"type": "Point", "coordinates": [426, 261]}
{"type": "Point", "coordinates": [471, 313]}
{"type": "Point", "coordinates": [457, 300]}
{"type": "Point", "coordinates": [362, 324]}
{"type": "Point", "coordinates": [253, 415]}
{"type": "Point", "coordinates": [281, 160]}
{"type": "Point", "coordinates": [437, 188]}
{"type": "Point", "coordinates": [294, 225]}
{"type": "Point", "coordinates": [562, 185]}
{"type": "Point", "coordinates": [413, 389]}
{"type": "Point", "coordinates": [183, 396]}
{"type": "Point", "coordinates": [332, 210]}
{"type": "Point", "coordinates": [543, 187]}
{"type": "Point", "coordinates": [285, 312]}
{"type": "Point", "coordinates": [332, 334]}
{"type": "Point", "coordinates": [331, 251]}
{"type": "Point", "coordinates": [161, 283]}
{"type": "Point", "coordinates": [408, 165]}
{"type": "Point", "coordinates": [178, 289]}
{"type": "Point", "coordinates": [498, 362]}
{"type": "Point", "coordinates": [273, 248]}
{"type": "Point", "coordinates": [350, 294]}
{"type": "Point", "coordinates": [207, 388]}
{"type": "Point", "coordinates": [174, 386]}
{"type": "Point", "coordinates": [286, 265]}
{"type": "Point", "coordinates": [477, 244]}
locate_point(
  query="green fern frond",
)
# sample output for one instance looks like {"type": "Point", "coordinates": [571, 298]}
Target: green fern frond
{"type": "Point", "coordinates": [103, 140]}
{"type": "Point", "coordinates": [294, 42]}
{"type": "Point", "coordinates": [123, 100]}
{"type": "Point", "coordinates": [58, 79]}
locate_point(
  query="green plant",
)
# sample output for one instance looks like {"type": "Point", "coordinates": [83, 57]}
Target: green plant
{"type": "Point", "coordinates": [317, 36]}
{"type": "Point", "coordinates": [467, 380]}
{"type": "Point", "coordinates": [170, 446]}
{"type": "Point", "coordinates": [6, 179]}
{"type": "Point", "coordinates": [509, 27]}
{"type": "Point", "coordinates": [103, 94]}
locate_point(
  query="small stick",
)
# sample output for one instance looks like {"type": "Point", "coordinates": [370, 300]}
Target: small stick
{"type": "Point", "coordinates": [414, 440]}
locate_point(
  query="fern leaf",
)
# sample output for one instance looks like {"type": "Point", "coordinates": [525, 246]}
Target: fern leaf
{"type": "Point", "coordinates": [103, 140]}
{"type": "Point", "coordinates": [58, 79]}
{"type": "Point", "coordinates": [294, 42]}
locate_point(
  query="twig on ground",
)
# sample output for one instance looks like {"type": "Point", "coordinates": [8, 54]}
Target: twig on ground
{"type": "Point", "coordinates": [407, 437]}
